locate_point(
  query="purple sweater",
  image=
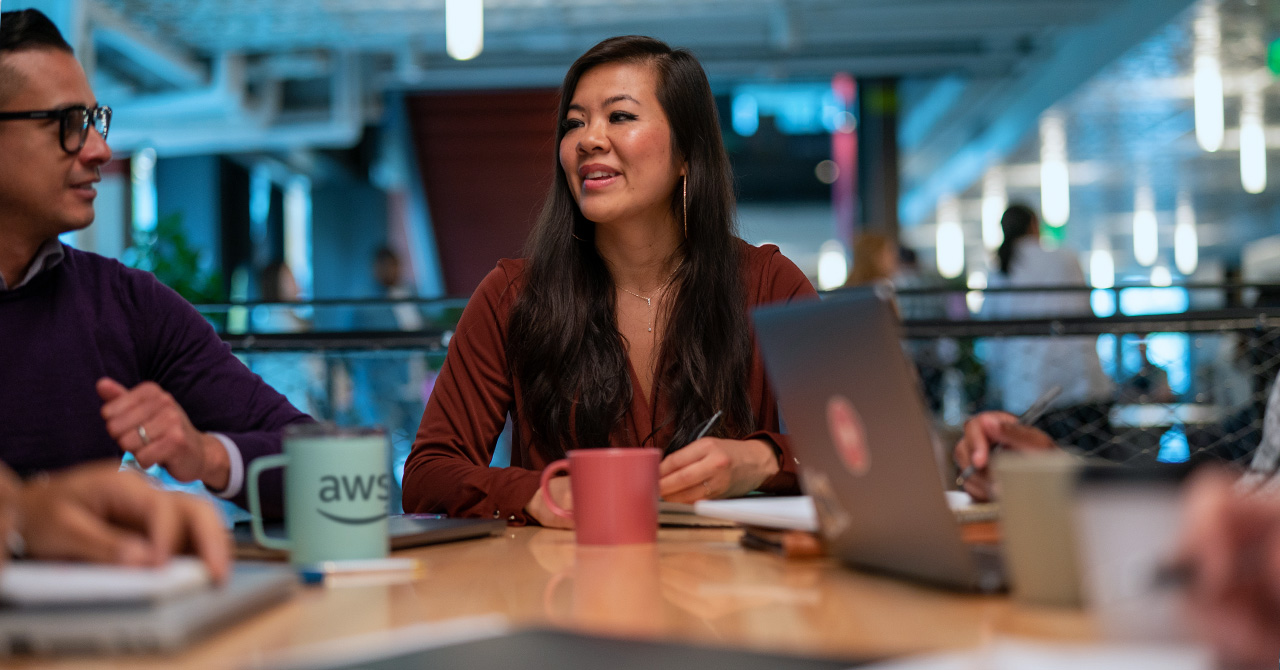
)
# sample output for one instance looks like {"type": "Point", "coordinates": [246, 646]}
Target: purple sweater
{"type": "Point", "coordinates": [90, 317]}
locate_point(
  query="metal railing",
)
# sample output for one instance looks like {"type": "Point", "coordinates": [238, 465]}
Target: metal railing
{"type": "Point", "coordinates": [1171, 386]}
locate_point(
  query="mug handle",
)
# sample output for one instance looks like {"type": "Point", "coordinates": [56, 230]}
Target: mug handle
{"type": "Point", "coordinates": [552, 470]}
{"type": "Point", "coordinates": [255, 501]}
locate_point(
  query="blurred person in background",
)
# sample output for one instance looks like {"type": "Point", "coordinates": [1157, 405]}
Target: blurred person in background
{"type": "Point", "coordinates": [1024, 368]}
{"type": "Point", "coordinates": [875, 260]}
{"type": "Point", "coordinates": [627, 324]}
{"type": "Point", "coordinates": [1229, 552]}
{"type": "Point", "coordinates": [101, 359]}
{"type": "Point", "coordinates": [1149, 384]}
{"type": "Point", "coordinates": [389, 387]}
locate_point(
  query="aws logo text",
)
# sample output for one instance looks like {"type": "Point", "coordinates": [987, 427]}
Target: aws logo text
{"type": "Point", "coordinates": [353, 488]}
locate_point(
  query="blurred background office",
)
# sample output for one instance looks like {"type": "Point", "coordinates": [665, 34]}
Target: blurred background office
{"type": "Point", "coordinates": [277, 157]}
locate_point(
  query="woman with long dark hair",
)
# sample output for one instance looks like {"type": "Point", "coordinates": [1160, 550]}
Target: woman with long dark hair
{"type": "Point", "coordinates": [1022, 369]}
{"type": "Point", "coordinates": [627, 322]}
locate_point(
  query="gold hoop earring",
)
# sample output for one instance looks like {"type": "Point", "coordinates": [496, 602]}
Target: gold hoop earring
{"type": "Point", "coordinates": [684, 197]}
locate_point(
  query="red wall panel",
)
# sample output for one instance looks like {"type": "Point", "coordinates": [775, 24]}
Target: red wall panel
{"type": "Point", "coordinates": [486, 160]}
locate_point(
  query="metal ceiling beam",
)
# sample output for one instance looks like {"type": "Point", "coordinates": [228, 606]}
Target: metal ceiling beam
{"type": "Point", "coordinates": [166, 60]}
{"type": "Point", "coordinates": [997, 129]}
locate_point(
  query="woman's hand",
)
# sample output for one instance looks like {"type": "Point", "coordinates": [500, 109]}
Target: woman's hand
{"type": "Point", "coordinates": [981, 433]}
{"type": "Point", "coordinates": [716, 468]}
{"type": "Point", "coordinates": [1230, 550]}
{"type": "Point", "coordinates": [561, 493]}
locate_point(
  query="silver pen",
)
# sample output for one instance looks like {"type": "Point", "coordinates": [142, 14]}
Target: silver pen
{"type": "Point", "coordinates": [1032, 415]}
{"type": "Point", "coordinates": [707, 425]}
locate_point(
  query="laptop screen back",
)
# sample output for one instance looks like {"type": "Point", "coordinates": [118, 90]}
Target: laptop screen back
{"type": "Point", "coordinates": [851, 403]}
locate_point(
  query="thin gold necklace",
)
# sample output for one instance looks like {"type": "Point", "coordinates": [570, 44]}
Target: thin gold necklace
{"type": "Point", "coordinates": [648, 301]}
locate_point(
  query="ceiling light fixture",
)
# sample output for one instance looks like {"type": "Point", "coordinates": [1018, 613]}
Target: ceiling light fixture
{"type": "Point", "coordinates": [1055, 183]}
{"type": "Point", "coordinates": [1160, 276]}
{"type": "Point", "coordinates": [1186, 242]}
{"type": "Point", "coordinates": [1207, 75]}
{"type": "Point", "coordinates": [464, 28]}
{"type": "Point", "coordinates": [1146, 237]}
{"type": "Point", "coordinates": [974, 298]}
{"type": "Point", "coordinates": [995, 198]}
{"type": "Point", "coordinates": [1253, 140]}
{"type": "Point", "coordinates": [950, 238]}
{"type": "Point", "coordinates": [833, 265]}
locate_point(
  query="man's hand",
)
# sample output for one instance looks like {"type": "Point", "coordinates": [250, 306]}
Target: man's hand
{"type": "Point", "coordinates": [95, 512]}
{"type": "Point", "coordinates": [715, 468]}
{"type": "Point", "coordinates": [10, 508]}
{"type": "Point", "coordinates": [985, 430]}
{"type": "Point", "coordinates": [562, 494]}
{"type": "Point", "coordinates": [148, 423]}
{"type": "Point", "coordinates": [1230, 549]}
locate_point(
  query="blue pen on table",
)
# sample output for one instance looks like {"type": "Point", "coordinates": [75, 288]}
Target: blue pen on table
{"type": "Point", "coordinates": [1032, 415]}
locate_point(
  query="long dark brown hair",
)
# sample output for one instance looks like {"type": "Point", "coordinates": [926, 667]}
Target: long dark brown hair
{"type": "Point", "coordinates": [1017, 221]}
{"type": "Point", "coordinates": [567, 355]}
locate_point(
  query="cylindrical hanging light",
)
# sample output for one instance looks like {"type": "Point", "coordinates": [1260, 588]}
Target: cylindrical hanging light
{"type": "Point", "coordinates": [1055, 183]}
{"type": "Point", "coordinates": [1207, 75]}
{"type": "Point", "coordinates": [1160, 276]}
{"type": "Point", "coordinates": [1253, 140]}
{"type": "Point", "coordinates": [950, 239]}
{"type": "Point", "coordinates": [974, 298]}
{"type": "Point", "coordinates": [995, 199]}
{"type": "Point", "coordinates": [1146, 237]}
{"type": "Point", "coordinates": [1186, 243]}
{"type": "Point", "coordinates": [464, 28]}
{"type": "Point", "coordinates": [833, 265]}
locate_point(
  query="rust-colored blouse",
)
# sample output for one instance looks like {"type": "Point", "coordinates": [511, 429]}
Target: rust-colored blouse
{"type": "Point", "coordinates": [448, 470]}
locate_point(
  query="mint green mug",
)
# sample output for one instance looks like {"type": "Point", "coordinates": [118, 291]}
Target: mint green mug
{"type": "Point", "coordinates": [336, 485]}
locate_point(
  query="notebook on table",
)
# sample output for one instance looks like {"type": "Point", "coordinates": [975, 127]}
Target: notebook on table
{"type": "Point", "coordinates": [852, 405]}
{"type": "Point", "coordinates": [130, 610]}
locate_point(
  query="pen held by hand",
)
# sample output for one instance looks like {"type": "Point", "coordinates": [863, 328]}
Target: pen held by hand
{"type": "Point", "coordinates": [1029, 417]}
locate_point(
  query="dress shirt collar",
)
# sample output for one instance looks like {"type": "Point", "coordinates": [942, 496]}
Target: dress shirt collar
{"type": "Point", "coordinates": [48, 256]}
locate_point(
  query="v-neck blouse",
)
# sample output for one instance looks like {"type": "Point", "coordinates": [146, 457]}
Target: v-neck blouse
{"type": "Point", "coordinates": [448, 470]}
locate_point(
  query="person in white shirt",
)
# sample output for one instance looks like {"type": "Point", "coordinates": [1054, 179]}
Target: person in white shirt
{"type": "Point", "coordinates": [1023, 368]}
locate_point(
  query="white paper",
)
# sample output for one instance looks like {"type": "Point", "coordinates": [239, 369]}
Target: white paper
{"type": "Point", "coordinates": [65, 583]}
{"type": "Point", "coordinates": [787, 512]}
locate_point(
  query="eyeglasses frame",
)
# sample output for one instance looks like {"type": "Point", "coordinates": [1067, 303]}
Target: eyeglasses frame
{"type": "Point", "coordinates": [64, 115]}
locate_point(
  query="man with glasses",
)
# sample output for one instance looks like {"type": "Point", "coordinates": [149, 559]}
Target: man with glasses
{"type": "Point", "coordinates": [97, 359]}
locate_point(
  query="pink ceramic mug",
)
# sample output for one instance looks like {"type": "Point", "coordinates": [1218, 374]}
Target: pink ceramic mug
{"type": "Point", "coordinates": [615, 494]}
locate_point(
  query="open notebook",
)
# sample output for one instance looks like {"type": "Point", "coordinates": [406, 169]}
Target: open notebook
{"type": "Point", "coordinates": [797, 512]}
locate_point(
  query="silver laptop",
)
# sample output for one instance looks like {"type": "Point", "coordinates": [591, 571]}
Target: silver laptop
{"type": "Point", "coordinates": [144, 626]}
{"type": "Point", "coordinates": [404, 531]}
{"type": "Point", "coordinates": [851, 403]}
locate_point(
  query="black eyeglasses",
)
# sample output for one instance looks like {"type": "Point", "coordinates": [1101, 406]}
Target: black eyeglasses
{"type": "Point", "coordinates": [75, 123]}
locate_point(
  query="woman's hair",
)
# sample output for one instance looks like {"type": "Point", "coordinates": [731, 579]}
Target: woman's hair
{"type": "Point", "coordinates": [1018, 220]}
{"type": "Point", "coordinates": [868, 257]}
{"type": "Point", "coordinates": [569, 360]}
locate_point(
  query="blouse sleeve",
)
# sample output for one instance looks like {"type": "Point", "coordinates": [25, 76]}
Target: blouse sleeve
{"type": "Point", "coordinates": [780, 282]}
{"type": "Point", "coordinates": [448, 470]}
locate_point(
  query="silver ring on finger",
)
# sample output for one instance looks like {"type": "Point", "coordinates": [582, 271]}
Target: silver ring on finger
{"type": "Point", "coordinates": [142, 434]}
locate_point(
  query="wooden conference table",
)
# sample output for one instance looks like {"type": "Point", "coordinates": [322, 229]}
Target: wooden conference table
{"type": "Point", "coordinates": [696, 585]}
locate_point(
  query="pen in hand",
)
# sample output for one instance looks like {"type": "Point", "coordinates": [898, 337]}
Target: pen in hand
{"type": "Point", "coordinates": [707, 426]}
{"type": "Point", "coordinates": [1029, 417]}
